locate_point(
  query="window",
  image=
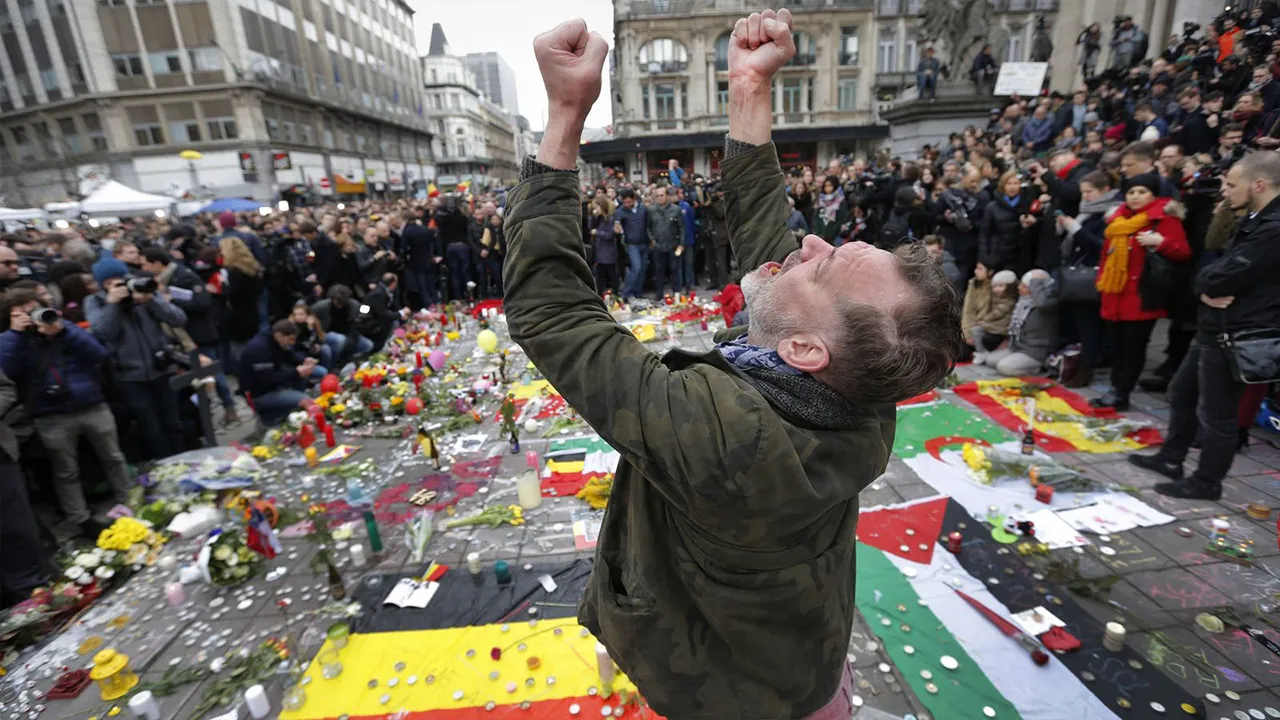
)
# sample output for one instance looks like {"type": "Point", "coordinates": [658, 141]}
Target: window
{"type": "Point", "coordinates": [205, 60]}
{"type": "Point", "coordinates": [848, 93]}
{"type": "Point", "coordinates": [663, 55]}
{"type": "Point", "coordinates": [913, 52]}
{"type": "Point", "coordinates": [128, 65]}
{"type": "Point", "coordinates": [722, 98]}
{"type": "Point", "coordinates": [887, 52]}
{"type": "Point", "coordinates": [76, 73]}
{"type": "Point", "coordinates": [70, 136]}
{"type": "Point", "coordinates": [848, 46]}
{"type": "Point", "coordinates": [722, 52]}
{"type": "Point", "coordinates": [462, 148]}
{"type": "Point", "coordinates": [163, 63]}
{"type": "Point", "coordinates": [328, 138]}
{"type": "Point", "coordinates": [664, 101]}
{"type": "Point", "coordinates": [47, 144]}
{"type": "Point", "coordinates": [273, 129]}
{"type": "Point", "coordinates": [436, 102]}
{"type": "Point", "coordinates": [184, 131]}
{"type": "Point", "coordinates": [26, 152]}
{"type": "Point", "coordinates": [148, 134]}
{"type": "Point", "coordinates": [806, 49]}
{"type": "Point", "coordinates": [454, 103]}
{"type": "Point", "coordinates": [307, 134]}
{"type": "Point", "coordinates": [793, 95]}
{"type": "Point", "coordinates": [93, 127]}
{"type": "Point", "coordinates": [1013, 51]}
{"type": "Point", "coordinates": [49, 78]}
{"type": "Point", "coordinates": [287, 131]}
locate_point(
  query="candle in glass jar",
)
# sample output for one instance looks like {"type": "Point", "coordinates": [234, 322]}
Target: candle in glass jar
{"type": "Point", "coordinates": [175, 593]}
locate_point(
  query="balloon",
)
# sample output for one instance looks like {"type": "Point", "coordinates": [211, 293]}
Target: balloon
{"type": "Point", "coordinates": [531, 426]}
{"type": "Point", "coordinates": [400, 332]}
{"type": "Point", "coordinates": [436, 359]}
{"type": "Point", "coordinates": [330, 384]}
{"type": "Point", "coordinates": [413, 406]}
{"type": "Point", "coordinates": [482, 385]}
{"type": "Point", "coordinates": [487, 340]}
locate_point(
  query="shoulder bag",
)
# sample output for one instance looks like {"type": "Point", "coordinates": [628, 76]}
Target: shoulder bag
{"type": "Point", "coordinates": [1254, 355]}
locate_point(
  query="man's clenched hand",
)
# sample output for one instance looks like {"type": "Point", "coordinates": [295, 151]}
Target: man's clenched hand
{"type": "Point", "coordinates": [761, 43]}
{"type": "Point", "coordinates": [571, 61]}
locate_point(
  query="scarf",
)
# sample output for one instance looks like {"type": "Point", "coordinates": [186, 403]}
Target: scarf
{"type": "Point", "coordinates": [745, 356]}
{"type": "Point", "coordinates": [1115, 273]}
{"type": "Point", "coordinates": [1020, 313]}
{"type": "Point", "coordinates": [829, 205]}
{"type": "Point", "coordinates": [1064, 172]}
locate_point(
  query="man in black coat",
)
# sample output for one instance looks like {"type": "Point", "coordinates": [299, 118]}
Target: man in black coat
{"type": "Point", "coordinates": [423, 253]}
{"type": "Point", "coordinates": [1193, 132]}
{"type": "Point", "coordinates": [380, 312]}
{"type": "Point", "coordinates": [1237, 295]}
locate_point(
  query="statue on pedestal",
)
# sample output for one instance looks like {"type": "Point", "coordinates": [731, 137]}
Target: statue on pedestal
{"type": "Point", "coordinates": [962, 27]}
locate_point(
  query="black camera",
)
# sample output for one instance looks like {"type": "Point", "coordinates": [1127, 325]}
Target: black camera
{"type": "Point", "coordinates": [44, 316]}
{"type": "Point", "coordinates": [166, 359]}
{"type": "Point", "coordinates": [1189, 29]}
{"type": "Point", "coordinates": [140, 284]}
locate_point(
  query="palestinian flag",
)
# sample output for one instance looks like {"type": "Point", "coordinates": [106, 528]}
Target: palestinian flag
{"type": "Point", "coordinates": [958, 663]}
{"type": "Point", "coordinates": [571, 463]}
{"type": "Point", "coordinates": [1001, 401]}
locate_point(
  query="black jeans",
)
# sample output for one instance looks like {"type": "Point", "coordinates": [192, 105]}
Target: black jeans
{"type": "Point", "coordinates": [1129, 345]}
{"type": "Point", "coordinates": [22, 562]}
{"type": "Point", "coordinates": [154, 407]}
{"type": "Point", "coordinates": [1203, 398]}
{"type": "Point", "coordinates": [1088, 329]}
{"type": "Point", "coordinates": [606, 278]}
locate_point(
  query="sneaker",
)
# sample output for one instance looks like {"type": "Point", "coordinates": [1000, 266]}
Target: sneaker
{"type": "Point", "coordinates": [1110, 400]}
{"type": "Point", "coordinates": [1156, 384]}
{"type": "Point", "coordinates": [1192, 488]}
{"type": "Point", "coordinates": [1157, 464]}
{"type": "Point", "coordinates": [979, 358]}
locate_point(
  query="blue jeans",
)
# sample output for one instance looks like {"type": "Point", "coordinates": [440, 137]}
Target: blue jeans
{"type": "Point", "coordinates": [927, 85]}
{"type": "Point", "coordinates": [426, 280]}
{"type": "Point", "coordinates": [684, 270]}
{"type": "Point", "coordinates": [264, 321]}
{"type": "Point", "coordinates": [220, 380]}
{"type": "Point", "coordinates": [664, 262]}
{"type": "Point", "coordinates": [638, 255]}
{"type": "Point", "coordinates": [276, 405]}
{"type": "Point", "coordinates": [337, 344]}
{"type": "Point", "coordinates": [458, 255]}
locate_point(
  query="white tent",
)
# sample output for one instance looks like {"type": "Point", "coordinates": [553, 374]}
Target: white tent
{"type": "Point", "coordinates": [20, 213]}
{"type": "Point", "coordinates": [113, 198]}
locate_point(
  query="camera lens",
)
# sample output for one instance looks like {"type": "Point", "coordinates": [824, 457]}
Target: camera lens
{"type": "Point", "coordinates": [44, 316]}
{"type": "Point", "coordinates": [143, 285]}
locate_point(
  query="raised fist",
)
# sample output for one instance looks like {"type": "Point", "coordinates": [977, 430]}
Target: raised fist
{"type": "Point", "coordinates": [571, 61]}
{"type": "Point", "coordinates": [761, 43]}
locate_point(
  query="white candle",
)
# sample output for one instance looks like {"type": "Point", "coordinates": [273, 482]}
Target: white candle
{"type": "Point", "coordinates": [144, 706]}
{"type": "Point", "coordinates": [473, 563]}
{"type": "Point", "coordinates": [255, 698]}
{"type": "Point", "coordinates": [529, 490]}
{"type": "Point", "coordinates": [1113, 637]}
{"type": "Point", "coordinates": [606, 665]}
{"type": "Point", "coordinates": [357, 555]}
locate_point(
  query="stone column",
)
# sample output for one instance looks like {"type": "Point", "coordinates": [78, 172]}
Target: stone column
{"type": "Point", "coordinates": [1068, 25]}
{"type": "Point", "coordinates": [1158, 32]}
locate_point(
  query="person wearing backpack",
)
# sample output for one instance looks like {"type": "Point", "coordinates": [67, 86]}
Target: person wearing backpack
{"type": "Point", "coordinates": [907, 221]}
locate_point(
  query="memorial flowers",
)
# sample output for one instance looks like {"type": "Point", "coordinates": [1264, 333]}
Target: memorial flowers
{"type": "Point", "coordinates": [492, 517]}
{"type": "Point", "coordinates": [986, 465]}
{"type": "Point", "coordinates": [226, 560]}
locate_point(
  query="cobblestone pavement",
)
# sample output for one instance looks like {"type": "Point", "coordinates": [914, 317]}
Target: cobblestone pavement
{"type": "Point", "coordinates": [1164, 580]}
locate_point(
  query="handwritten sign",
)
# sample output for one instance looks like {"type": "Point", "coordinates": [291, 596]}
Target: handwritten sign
{"type": "Point", "coordinates": [1022, 78]}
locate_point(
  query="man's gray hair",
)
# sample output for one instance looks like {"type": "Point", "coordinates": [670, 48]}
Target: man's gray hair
{"type": "Point", "coordinates": [1261, 165]}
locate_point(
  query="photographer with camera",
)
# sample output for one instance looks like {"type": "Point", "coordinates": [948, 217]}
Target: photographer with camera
{"type": "Point", "coordinates": [128, 317]}
{"type": "Point", "coordinates": [57, 368]}
{"type": "Point", "coordinates": [1128, 43]}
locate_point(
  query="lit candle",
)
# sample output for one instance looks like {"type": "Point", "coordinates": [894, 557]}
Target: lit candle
{"type": "Point", "coordinates": [175, 593]}
{"type": "Point", "coordinates": [473, 563]}
{"type": "Point", "coordinates": [328, 436]}
{"type": "Point", "coordinates": [357, 555]}
{"type": "Point", "coordinates": [311, 454]}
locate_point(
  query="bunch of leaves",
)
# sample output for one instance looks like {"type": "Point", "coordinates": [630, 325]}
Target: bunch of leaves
{"type": "Point", "coordinates": [239, 674]}
{"type": "Point", "coordinates": [347, 470]}
{"type": "Point", "coordinates": [491, 517]}
{"type": "Point", "coordinates": [568, 422]}
{"type": "Point", "coordinates": [321, 535]}
{"type": "Point", "coordinates": [174, 677]}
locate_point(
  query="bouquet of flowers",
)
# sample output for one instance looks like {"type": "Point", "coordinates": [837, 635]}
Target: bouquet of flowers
{"type": "Point", "coordinates": [226, 560]}
{"type": "Point", "coordinates": [987, 464]}
{"type": "Point", "coordinates": [128, 541]}
{"type": "Point", "coordinates": [1096, 429]}
{"type": "Point", "coordinates": [492, 517]}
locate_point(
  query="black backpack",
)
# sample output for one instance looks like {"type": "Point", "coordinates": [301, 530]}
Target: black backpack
{"type": "Point", "coordinates": [893, 232]}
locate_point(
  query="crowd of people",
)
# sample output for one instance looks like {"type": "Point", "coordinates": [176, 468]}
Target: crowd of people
{"type": "Point", "coordinates": [1068, 225]}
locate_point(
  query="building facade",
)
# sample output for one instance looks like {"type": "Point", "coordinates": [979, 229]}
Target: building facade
{"type": "Point", "coordinates": [475, 140]}
{"type": "Point", "coordinates": [494, 79]}
{"type": "Point", "coordinates": [277, 98]}
{"type": "Point", "coordinates": [669, 73]}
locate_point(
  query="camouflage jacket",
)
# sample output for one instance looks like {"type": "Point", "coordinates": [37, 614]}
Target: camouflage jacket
{"type": "Point", "coordinates": [724, 575]}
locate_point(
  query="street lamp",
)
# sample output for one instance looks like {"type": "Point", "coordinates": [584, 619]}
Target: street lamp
{"type": "Point", "coordinates": [191, 156]}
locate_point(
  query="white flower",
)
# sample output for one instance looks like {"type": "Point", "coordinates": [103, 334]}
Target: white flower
{"type": "Point", "coordinates": [232, 560]}
{"type": "Point", "coordinates": [298, 417]}
{"type": "Point", "coordinates": [87, 560]}
{"type": "Point", "coordinates": [74, 572]}
{"type": "Point", "coordinates": [355, 404]}
{"type": "Point", "coordinates": [109, 556]}
{"type": "Point", "coordinates": [222, 553]}
{"type": "Point", "coordinates": [104, 573]}
{"type": "Point", "coordinates": [84, 579]}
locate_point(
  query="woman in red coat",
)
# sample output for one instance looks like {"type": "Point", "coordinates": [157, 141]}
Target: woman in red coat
{"type": "Point", "coordinates": [1145, 223]}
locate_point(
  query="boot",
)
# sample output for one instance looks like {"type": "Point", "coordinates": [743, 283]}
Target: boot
{"type": "Point", "coordinates": [1157, 464]}
{"type": "Point", "coordinates": [1242, 441]}
{"type": "Point", "coordinates": [1193, 488]}
{"type": "Point", "coordinates": [1111, 400]}
{"type": "Point", "coordinates": [1082, 377]}
{"type": "Point", "coordinates": [1156, 384]}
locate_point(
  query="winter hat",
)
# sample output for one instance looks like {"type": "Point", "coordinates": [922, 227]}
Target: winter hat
{"type": "Point", "coordinates": [1004, 277]}
{"type": "Point", "coordinates": [1090, 117]}
{"type": "Point", "coordinates": [227, 220]}
{"type": "Point", "coordinates": [109, 268]}
{"type": "Point", "coordinates": [1115, 132]}
{"type": "Point", "coordinates": [1150, 181]}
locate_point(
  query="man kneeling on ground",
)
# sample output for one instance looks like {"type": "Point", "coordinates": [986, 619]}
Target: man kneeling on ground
{"type": "Point", "coordinates": [275, 375]}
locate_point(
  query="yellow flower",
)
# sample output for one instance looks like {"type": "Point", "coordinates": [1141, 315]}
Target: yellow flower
{"type": "Point", "coordinates": [397, 400]}
{"type": "Point", "coordinates": [262, 452]}
{"type": "Point", "coordinates": [974, 457]}
{"type": "Point", "coordinates": [339, 408]}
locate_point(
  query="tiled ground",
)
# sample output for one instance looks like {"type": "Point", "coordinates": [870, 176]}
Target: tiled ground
{"type": "Point", "coordinates": [1164, 582]}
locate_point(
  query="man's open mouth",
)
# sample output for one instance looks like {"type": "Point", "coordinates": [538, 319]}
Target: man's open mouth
{"type": "Point", "coordinates": [773, 267]}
